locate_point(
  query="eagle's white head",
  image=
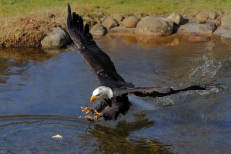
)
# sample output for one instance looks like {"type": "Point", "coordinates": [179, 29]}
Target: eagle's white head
{"type": "Point", "coordinates": [101, 91]}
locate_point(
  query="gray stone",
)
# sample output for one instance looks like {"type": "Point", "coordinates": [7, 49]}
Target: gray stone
{"type": "Point", "coordinates": [226, 21]}
{"type": "Point", "coordinates": [109, 22]}
{"type": "Point", "coordinates": [154, 26]}
{"type": "Point", "coordinates": [202, 17]}
{"type": "Point", "coordinates": [226, 35]}
{"type": "Point", "coordinates": [212, 15]}
{"type": "Point", "coordinates": [220, 13]}
{"type": "Point", "coordinates": [207, 28]}
{"type": "Point", "coordinates": [175, 17]}
{"type": "Point", "coordinates": [56, 38]}
{"type": "Point", "coordinates": [98, 30]}
{"type": "Point", "coordinates": [130, 22]}
{"type": "Point", "coordinates": [223, 31]}
{"type": "Point", "coordinates": [122, 30]}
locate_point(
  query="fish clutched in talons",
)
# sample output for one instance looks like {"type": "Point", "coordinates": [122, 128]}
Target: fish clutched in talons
{"type": "Point", "coordinates": [87, 110]}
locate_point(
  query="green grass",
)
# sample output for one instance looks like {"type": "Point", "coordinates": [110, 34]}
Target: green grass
{"type": "Point", "coordinates": [10, 8]}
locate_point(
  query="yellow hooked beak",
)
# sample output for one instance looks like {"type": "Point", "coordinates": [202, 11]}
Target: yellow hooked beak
{"type": "Point", "coordinates": [93, 98]}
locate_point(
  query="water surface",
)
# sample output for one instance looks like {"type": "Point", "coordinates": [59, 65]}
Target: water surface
{"type": "Point", "coordinates": [41, 93]}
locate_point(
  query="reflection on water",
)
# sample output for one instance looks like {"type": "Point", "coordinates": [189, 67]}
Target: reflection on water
{"type": "Point", "coordinates": [27, 54]}
{"type": "Point", "coordinates": [149, 42]}
{"type": "Point", "coordinates": [41, 93]}
{"type": "Point", "coordinates": [111, 139]}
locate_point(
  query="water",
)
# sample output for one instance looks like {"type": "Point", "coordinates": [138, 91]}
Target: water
{"type": "Point", "coordinates": [41, 93]}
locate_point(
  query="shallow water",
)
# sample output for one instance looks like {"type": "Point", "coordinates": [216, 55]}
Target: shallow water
{"type": "Point", "coordinates": [41, 93]}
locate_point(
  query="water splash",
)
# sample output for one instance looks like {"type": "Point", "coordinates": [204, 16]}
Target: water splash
{"type": "Point", "coordinates": [208, 69]}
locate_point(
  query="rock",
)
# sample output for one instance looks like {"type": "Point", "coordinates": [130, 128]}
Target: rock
{"type": "Point", "coordinates": [130, 22]}
{"type": "Point", "coordinates": [202, 17]}
{"type": "Point", "coordinates": [206, 28]}
{"type": "Point", "coordinates": [194, 13]}
{"type": "Point", "coordinates": [175, 17]}
{"type": "Point", "coordinates": [226, 35]}
{"type": "Point", "coordinates": [122, 30]}
{"type": "Point", "coordinates": [212, 15]}
{"type": "Point", "coordinates": [216, 22]}
{"type": "Point", "coordinates": [118, 17]}
{"type": "Point", "coordinates": [226, 21]}
{"type": "Point", "coordinates": [223, 31]}
{"type": "Point", "coordinates": [109, 22]}
{"type": "Point", "coordinates": [198, 38]}
{"type": "Point", "coordinates": [221, 13]}
{"type": "Point", "coordinates": [56, 38]}
{"type": "Point", "coordinates": [154, 26]}
{"type": "Point", "coordinates": [98, 30]}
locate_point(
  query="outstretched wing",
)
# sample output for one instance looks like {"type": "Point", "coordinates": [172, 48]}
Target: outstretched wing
{"type": "Point", "coordinates": [157, 91]}
{"type": "Point", "coordinates": [99, 62]}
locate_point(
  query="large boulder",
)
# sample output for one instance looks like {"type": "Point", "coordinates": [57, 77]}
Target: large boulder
{"type": "Point", "coordinates": [175, 17]}
{"type": "Point", "coordinates": [202, 17]}
{"type": "Point", "coordinates": [154, 26]}
{"type": "Point", "coordinates": [130, 22]}
{"type": "Point", "coordinates": [109, 22]}
{"type": "Point", "coordinates": [226, 21]}
{"type": "Point", "coordinates": [56, 38]}
{"type": "Point", "coordinates": [97, 30]}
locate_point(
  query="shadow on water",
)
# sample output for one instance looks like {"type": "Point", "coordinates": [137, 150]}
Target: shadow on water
{"type": "Point", "coordinates": [118, 140]}
{"type": "Point", "coordinates": [41, 93]}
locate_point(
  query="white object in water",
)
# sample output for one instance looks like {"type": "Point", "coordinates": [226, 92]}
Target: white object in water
{"type": "Point", "coordinates": [57, 136]}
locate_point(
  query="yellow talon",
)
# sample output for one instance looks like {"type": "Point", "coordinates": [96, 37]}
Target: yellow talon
{"type": "Point", "coordinates": [97, 115]}
{"type": "Point", "coordinates": [87, 110]}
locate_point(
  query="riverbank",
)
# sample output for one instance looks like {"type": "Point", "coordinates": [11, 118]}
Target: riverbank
{"type": "Point", "coordinates": [26, 23]}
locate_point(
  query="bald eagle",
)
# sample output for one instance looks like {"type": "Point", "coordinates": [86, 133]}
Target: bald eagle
{"type": "Point", "coordinates": [113, 89]}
